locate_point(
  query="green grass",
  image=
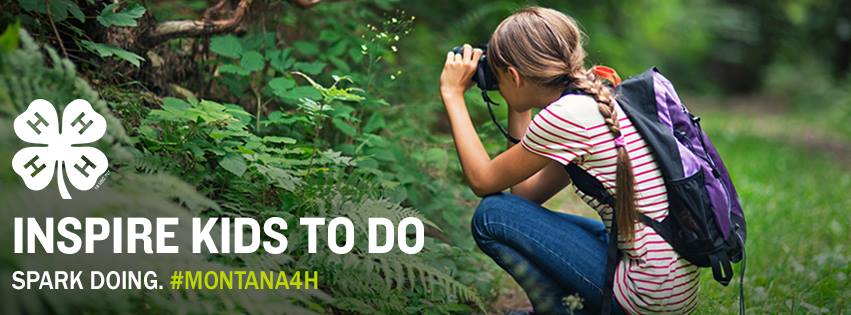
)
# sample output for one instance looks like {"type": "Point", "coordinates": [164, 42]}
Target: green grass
{"type": "Point", "coordinates": [795, 201]}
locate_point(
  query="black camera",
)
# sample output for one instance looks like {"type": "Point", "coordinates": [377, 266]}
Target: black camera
{"type": "Point", "coordinates": [484, 78]}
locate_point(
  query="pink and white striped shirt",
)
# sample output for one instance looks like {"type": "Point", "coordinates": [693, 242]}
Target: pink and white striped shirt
{"type": "Point", "coordinates": [651, 277]}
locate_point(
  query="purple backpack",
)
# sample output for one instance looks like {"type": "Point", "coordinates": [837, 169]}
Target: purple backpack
{"type": "Point", "coordinates": [705, 224]}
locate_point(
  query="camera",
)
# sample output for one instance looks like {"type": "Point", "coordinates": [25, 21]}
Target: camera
{"type": "Point", "coordinates": [484, 78]}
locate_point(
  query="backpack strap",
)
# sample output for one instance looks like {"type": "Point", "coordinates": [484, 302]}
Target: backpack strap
{"type": "Point", "coordinates": [722, 269]}
{"type": "Point", "coordinates": [612, 258]}
{"type": "Point", "coordinates": [662, 229]}
{"type": "Point", "coordinates": [590, 186]}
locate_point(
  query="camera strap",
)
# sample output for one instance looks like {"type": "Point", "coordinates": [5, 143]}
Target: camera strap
{"type": "Point", "coordinates": [504, 132]}
{"type": "Point", "coordinates": [499, 126]}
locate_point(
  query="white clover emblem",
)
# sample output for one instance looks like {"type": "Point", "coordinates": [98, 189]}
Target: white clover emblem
{"type": "Point", "coordinates": [57, 147]}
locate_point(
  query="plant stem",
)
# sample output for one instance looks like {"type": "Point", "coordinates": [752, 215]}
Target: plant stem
{"type": "Point", "coordinates": [259, 110]}
{"type": "Point", "coordinates": [55, 31]}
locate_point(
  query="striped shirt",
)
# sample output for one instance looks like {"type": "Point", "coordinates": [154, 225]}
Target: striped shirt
{"type": "Point", "coordinates": [651, 277]}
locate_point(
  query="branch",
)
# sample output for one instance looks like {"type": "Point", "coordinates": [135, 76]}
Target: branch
{"type": "Point", "coordinates": [197, 28]}
{"type": "Point", "coordinates": [304, 4]}
{"type": "Point", "coordinates": [208, 13]}
{"type": "Point", "coordinates": [206, 26]}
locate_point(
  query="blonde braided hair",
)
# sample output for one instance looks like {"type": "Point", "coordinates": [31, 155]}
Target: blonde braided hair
{"type": "Point", "coordinates": [545, 46]}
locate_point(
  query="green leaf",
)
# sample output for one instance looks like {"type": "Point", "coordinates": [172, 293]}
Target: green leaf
{"type": "Point", "coordinates": [234, 163]}
{"type": "Point", "coordinates": [10, 37]}
{"type": "Point", "coordinates": [239, 113]}
{"type": "Point", "coordinates": [59, 9]}
{"type": "Point", "coordinates": [219, 135]}
{"type": "Point", "coordinates": [308, 92]}
{"type": "Point", "coordinates": [280, 59]}
{"type": "Point", "coordinates": [105, 50]}
{"type": "Point", "coordinates": [340, 64]}
{"type": "Point", "coordinates": [171, 103]}
{"type": "Point", "coordinates": [338, 49]}
{"type": "Point", "coordinates": [368, 163]}
{"type": "Point", "coordinates": [329, 36]}
{"type": "Point", "coordinates": [336, 157]}
{"type": "Point", "coordinates": [313, 68]}
{"type": "Point", "coordinates": [435, 155]}
{"type": "Point", "coordinates": [36, 6]}
{"type": "Point", "coordinates": [281, 86]}
{"type": "Point", "coordinates": [75, 11]}
{"type": "Point", "coordinates": [343, 111]}
{"type": "Point", "coordinates": [252, 61]}
{"type": "Point", "coordinates": [228, 46]}
{"type": "Point", "coordinates": [229, 68]}
{"type": "Point", "coordinates": [284, 140]}
{"type": "Point", "coordinates": [306, 48]}
{"type": "Point", "coordinates": [375, 122]}
{"type": "Point", "coordinates": [126, 17]}
{"type": "Point", "coordinates": [335, 93]}
{"type": "Point", "coordinates": [345, 127]}
{"type": "Point", "coordinates": [280, 178]}
{"type": "Point", "coordinates": [355, 54]}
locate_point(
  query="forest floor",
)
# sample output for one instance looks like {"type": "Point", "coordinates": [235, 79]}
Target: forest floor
{"type": "Point", "coordinates": [793, 178]}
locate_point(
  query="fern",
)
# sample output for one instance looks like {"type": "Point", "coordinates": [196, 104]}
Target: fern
{"type": "Point", "coordinates": [372, 277]}
{"type": "Point", "coordinates": [21, 82]}
{"type": "Point", "coordinates": [23, 77]}
{"type": "Point", "coordinates": [149, 163]}
{"type": "Point", "coordinates": [207, 158]}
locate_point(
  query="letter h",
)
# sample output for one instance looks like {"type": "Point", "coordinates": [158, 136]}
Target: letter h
{"type": "Point", "coordinates": [39, 121]}
{"type": "Point", "coordinates": [36, 168]}
{"type": "Point", "coordinates": [86, 164]}
{"type": "Point", "coordinates": [79, 120]}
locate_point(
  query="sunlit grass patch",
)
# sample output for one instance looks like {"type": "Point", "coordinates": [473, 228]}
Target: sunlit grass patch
{"type": "Point", "coordinates": [795, 200]}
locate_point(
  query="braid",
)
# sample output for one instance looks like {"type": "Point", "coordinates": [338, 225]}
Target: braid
{"type": "Point", "coordinates": [626, 212]}
{"type": "Point", "coordinates": [545, 46]}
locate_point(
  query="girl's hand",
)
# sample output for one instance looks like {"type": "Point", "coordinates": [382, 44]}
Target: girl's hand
{"type": "Point", "coordinates": [458, 71]}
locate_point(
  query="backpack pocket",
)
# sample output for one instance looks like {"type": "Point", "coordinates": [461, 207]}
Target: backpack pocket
{"type": "Point", "coordinates": [693, 232]}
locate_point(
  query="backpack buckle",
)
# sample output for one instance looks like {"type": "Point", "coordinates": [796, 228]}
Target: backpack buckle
{"type": "Point", "coordinates": [694, 119]}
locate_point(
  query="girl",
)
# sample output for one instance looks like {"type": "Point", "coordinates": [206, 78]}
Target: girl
{"type": "Point", "coordinates": [537, 55]}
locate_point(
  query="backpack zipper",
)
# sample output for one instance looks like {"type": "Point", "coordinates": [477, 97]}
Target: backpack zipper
{"type": "Point", "coordinates": [696, 121]}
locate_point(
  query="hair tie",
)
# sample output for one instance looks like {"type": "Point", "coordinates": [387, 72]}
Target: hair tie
{"type": "Point", "coordinates": [619, 141]}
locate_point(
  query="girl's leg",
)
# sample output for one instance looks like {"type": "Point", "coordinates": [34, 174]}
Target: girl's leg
{"type": "Point", "coordinates": [550, 254]}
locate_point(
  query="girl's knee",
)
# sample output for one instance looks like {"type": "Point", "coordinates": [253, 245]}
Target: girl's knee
{"type": "Point", "coordinates": [490, 203]}
{"type": "Point", "coordinates": [486, 211]}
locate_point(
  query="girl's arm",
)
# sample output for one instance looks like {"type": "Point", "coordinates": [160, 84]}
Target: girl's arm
{"type": "Point", "coordinates": [545, 183]}
{"type": "Point", "coordinates": [485, 176]}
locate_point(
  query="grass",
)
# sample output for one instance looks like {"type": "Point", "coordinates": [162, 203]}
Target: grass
{"type": "Point", "coordinates": [795, 199]}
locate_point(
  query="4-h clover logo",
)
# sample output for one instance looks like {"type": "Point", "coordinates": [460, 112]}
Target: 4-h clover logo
{"type": "Point", "coordinates": [57, 147]}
